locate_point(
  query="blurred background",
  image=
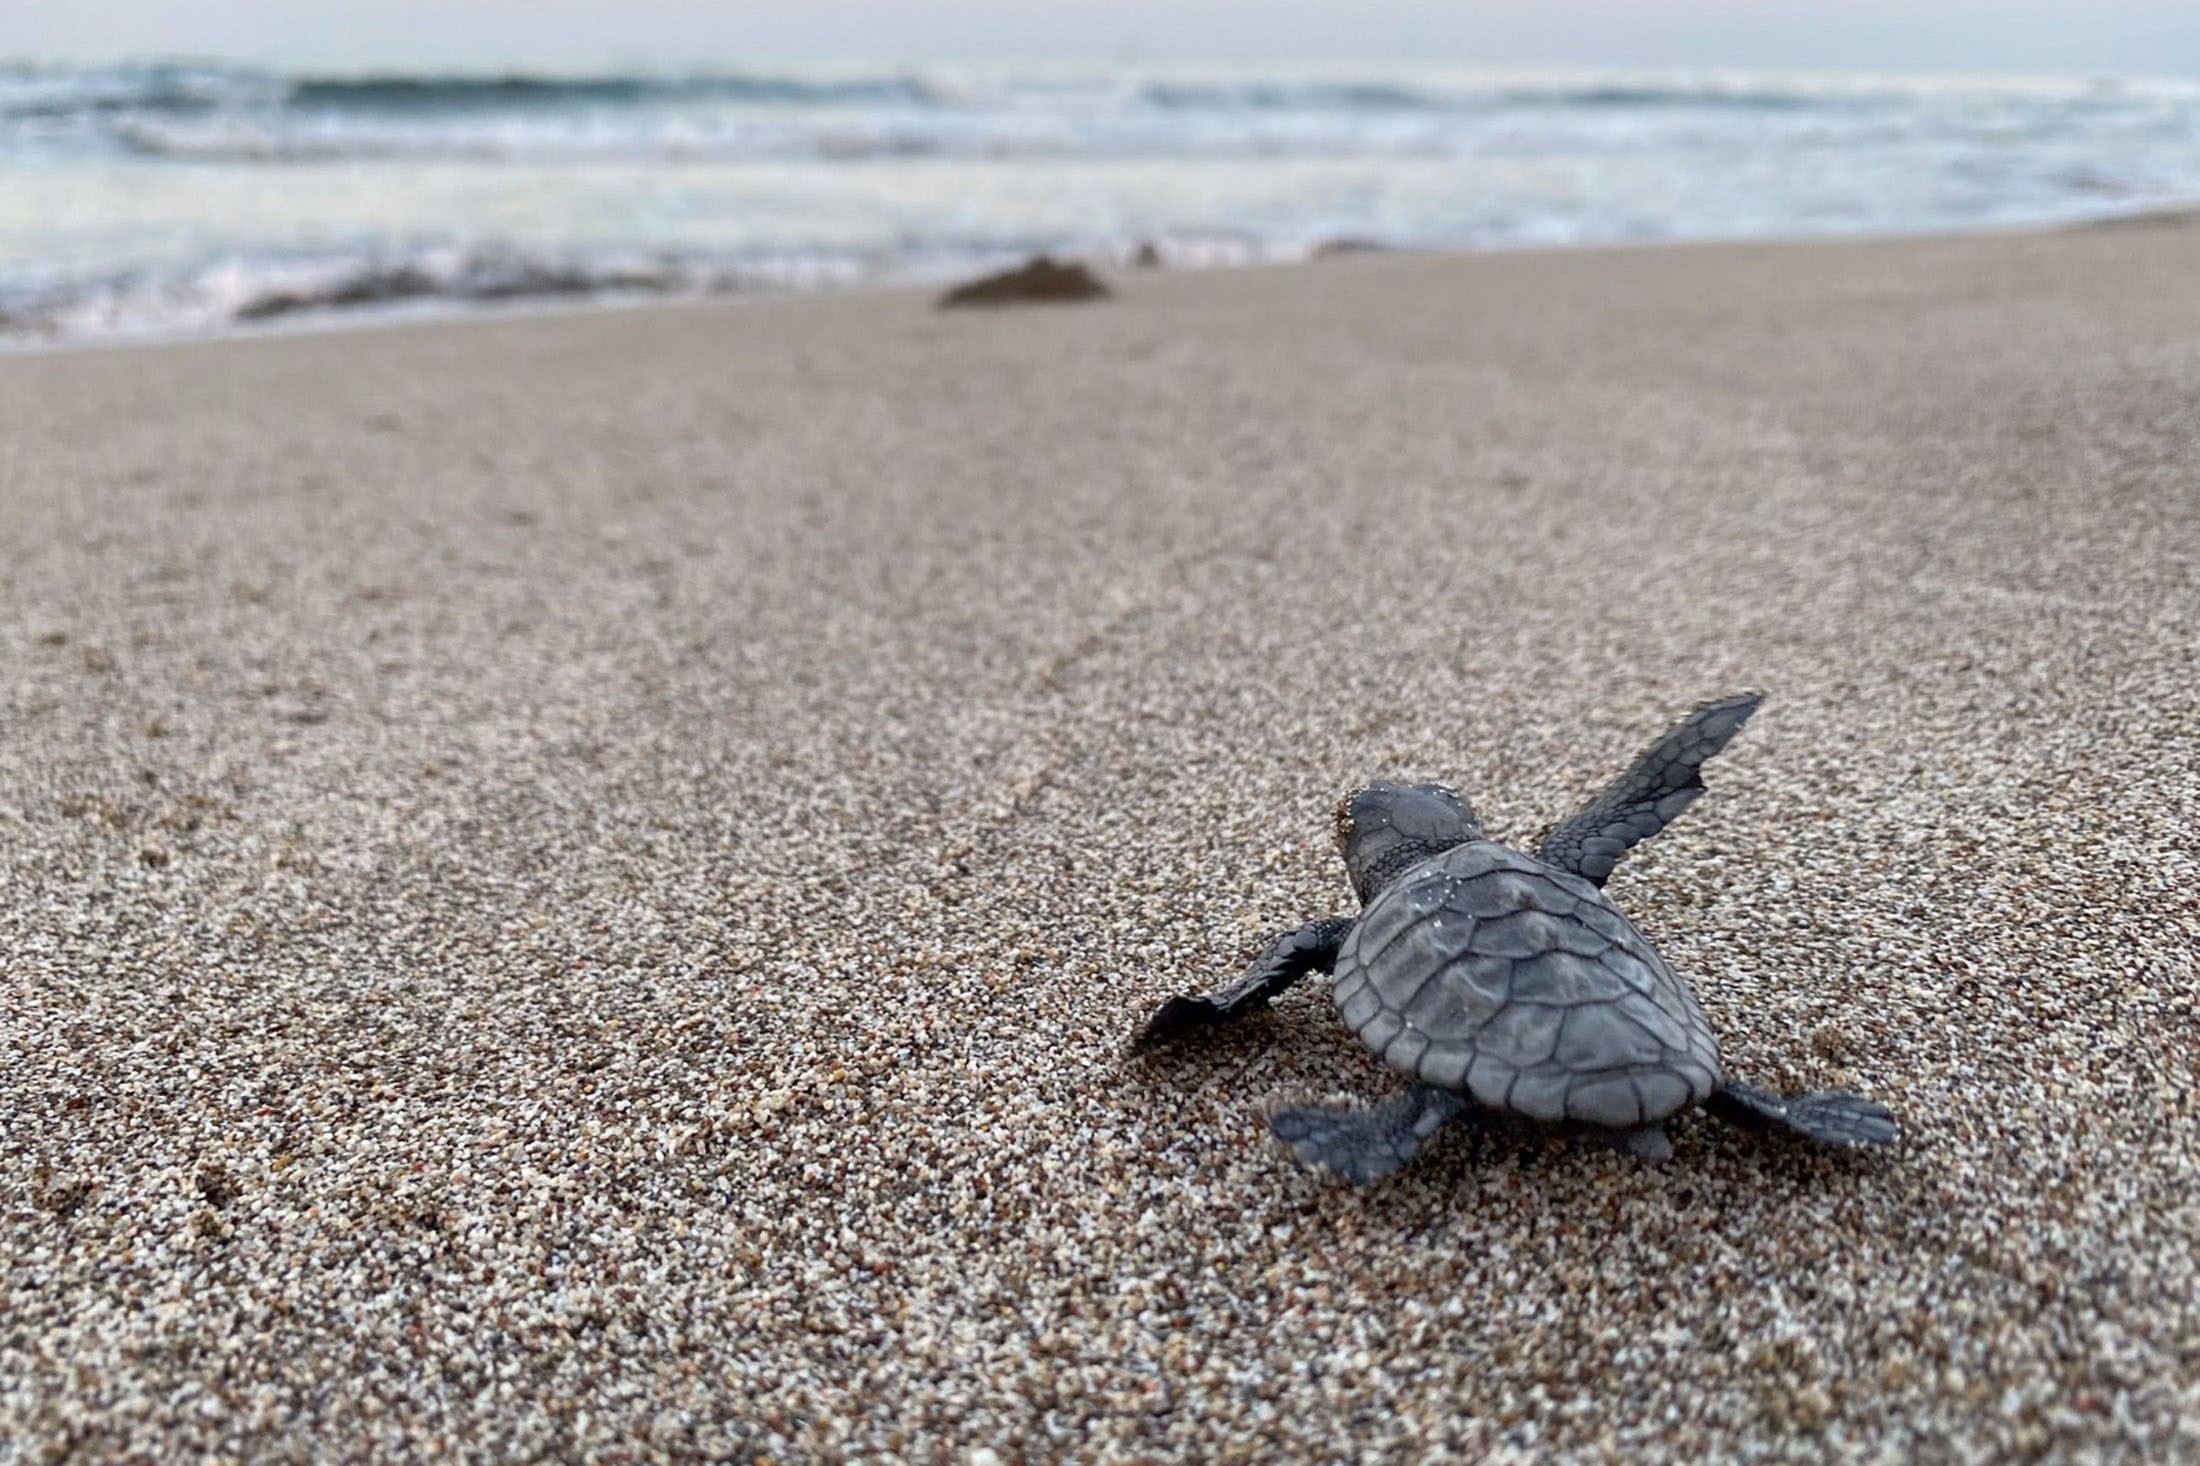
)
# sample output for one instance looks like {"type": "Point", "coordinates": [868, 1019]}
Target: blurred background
{"type": "Point", "coordinates": [194, 165]}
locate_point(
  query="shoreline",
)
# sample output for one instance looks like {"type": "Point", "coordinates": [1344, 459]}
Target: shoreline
{"type": "Point", "coordinates": [407, 315]}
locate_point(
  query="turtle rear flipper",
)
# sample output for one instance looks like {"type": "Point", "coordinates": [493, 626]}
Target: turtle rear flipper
{"type": "Point", "coordinates": [1828, 1118]}
{"type": "Point", "coordinates": [1310, 948]}
{"type": "Point", "coordinates": [1662, 782]}
{"type": "Point", "coordinates": [1364, 1146]}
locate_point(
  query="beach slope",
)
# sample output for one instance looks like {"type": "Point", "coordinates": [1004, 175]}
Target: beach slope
{"type": "Point", "coordinates": [573, 886]}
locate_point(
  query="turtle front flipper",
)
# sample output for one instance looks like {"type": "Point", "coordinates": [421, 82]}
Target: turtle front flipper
{"type": "Point", "coordinates": [1661, 783]}
{"type": "Point", "coordinates": [1828, 1118]}
{"type": "Point", "coordinates": [1310, 948]}
{"type": "Point", "coordinates": [1363, 1146]}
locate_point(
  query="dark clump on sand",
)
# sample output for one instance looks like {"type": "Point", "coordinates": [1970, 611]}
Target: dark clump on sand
{"type": "Point", "coordinates": [1041, 280]}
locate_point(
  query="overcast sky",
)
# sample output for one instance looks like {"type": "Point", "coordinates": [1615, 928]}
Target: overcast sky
{"type": "Point", "coordinates": [2131, 37]}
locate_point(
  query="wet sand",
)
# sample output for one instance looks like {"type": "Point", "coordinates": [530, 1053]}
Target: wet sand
{"type": "Point", "coordinates": [573, 886]}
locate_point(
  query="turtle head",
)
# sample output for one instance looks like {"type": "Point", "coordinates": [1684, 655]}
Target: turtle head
{"type": "Point", "coordinates": [1384, 828]}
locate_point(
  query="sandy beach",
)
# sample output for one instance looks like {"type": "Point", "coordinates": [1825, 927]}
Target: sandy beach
{"type": "Point", "coordinates": [572, 887]}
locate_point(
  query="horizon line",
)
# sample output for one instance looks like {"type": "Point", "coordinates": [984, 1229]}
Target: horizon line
{"type": "Point", "coordinates": [763, 63]}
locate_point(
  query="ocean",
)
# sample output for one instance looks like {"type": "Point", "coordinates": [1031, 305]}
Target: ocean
{"type": "Point", "coordinates": [172, 197]}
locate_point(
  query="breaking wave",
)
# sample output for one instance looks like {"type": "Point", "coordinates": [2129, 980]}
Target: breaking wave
{"type": "Point", "coordinates": [201, 113]}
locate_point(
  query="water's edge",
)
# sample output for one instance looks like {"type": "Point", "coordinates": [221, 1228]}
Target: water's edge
{"type": "Point", "coordinates": [406, 315]}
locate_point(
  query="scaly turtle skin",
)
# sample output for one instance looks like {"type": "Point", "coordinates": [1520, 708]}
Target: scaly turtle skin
{"type": "Point", "coordinates": [1508, 982]}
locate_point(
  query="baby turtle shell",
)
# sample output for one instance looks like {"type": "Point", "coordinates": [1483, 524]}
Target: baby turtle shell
{"type": "Point", "coordinates": [1504, 981]}
{"type": "Point", "coordinates": [1490, 973]}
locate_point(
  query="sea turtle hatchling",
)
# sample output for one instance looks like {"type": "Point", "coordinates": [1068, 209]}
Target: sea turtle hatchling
{"type": "Point", "coordinates": [1508, 982]}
